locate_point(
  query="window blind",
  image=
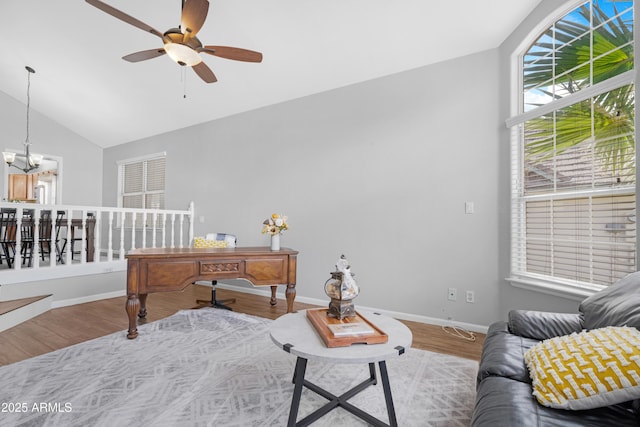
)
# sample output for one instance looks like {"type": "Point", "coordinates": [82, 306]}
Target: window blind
{"type": "Point", "coordinates": [573, 191]}
{"type": "Point", "coordinates": [142, 184]}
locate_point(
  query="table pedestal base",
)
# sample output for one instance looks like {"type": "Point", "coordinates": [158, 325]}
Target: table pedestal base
{"type": "Point", "coordinates": [340, 401]}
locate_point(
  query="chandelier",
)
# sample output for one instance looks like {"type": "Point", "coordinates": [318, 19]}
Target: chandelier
{"type": "Point", "coordinates": [31, 161]}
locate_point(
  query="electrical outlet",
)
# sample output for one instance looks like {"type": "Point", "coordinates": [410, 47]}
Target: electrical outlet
{"type": "Point", "coordinates": [452, 294]}
{"type": "Point", "coordinates": [471, 297]}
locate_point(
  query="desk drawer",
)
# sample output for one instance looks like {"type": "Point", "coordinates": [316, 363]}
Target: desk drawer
{"type": "Point", "coordinates": [267, 271]}
{"type": "Point", "coordinates": [160, 276]}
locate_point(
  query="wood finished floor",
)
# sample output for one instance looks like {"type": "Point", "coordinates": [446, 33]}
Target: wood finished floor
{"type": "Point", "coordinates": [62, 327]}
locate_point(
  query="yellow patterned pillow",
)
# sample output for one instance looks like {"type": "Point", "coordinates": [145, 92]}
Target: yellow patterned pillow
{"type": "Point", "coordinates": [586, 370]}
{"type": "Point", "coordinates": [201, 242]}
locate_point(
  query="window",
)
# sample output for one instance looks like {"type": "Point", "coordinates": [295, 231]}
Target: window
{"type": "Point", "coordinates": [141, 182]}
{"type": "Point", "coordinates": [573, 152]}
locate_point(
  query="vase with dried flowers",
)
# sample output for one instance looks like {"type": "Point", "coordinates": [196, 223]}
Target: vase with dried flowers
{"type": "Point", "coordinates": [275, 225]}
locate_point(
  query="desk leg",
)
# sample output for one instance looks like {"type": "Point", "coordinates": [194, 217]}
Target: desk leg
{"type": "Point", "coordinates": [143, 306]}
{"type": "Point", "coordinates": [133, 307]}
{"type": "Point", "coordinates": [290, 293]}
{"type": "Point", "coordinates": [273, 300]}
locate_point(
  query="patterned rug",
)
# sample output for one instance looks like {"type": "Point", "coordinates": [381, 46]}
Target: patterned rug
{"type": "Point", "coordinates": [213, 367]}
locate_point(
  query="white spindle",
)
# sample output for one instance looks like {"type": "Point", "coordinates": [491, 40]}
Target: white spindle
{"type": "Point", "coordinates": [133, 231]}
{"type": "Point", "coordinates": [154, 223]}
{"type": "Point", "coordinates": [110, 238]}
{"type": "Point", "coordinates": [122, 220]}
{"type": "Point", "coordinates": [173, 230]}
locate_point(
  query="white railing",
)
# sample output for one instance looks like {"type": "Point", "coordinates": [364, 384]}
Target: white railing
{"type": "Point", "coordinates": [88, 239]}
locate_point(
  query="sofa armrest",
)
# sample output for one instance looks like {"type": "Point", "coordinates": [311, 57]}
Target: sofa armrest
{"type": "Point", "coordinates": [541, 325]}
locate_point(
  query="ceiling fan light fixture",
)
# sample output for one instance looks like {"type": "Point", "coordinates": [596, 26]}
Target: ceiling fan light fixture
{"type": "Point", "coordinates": [183, 55]}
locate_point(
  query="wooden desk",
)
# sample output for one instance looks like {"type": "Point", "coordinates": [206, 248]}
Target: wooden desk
{"type": "Point", "coordinates": [173, 269]}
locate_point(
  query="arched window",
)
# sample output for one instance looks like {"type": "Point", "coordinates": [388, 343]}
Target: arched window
{"type": "Point", "coordinates": [573, 151]}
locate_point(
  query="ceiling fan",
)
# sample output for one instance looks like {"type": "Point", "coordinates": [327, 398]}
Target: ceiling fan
{"type": "Point", "coordinates": [181, 44]}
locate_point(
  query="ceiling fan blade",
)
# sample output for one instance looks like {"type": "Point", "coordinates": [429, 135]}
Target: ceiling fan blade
{"type": "Point", "coordinates": [204, 72]}
{"type": "Point", "coordinates": [234, 53]}
{"type": "Point", "coordinates": [144, 55]}
{"type": "Point", "coordinates": [194, 13]}
{"type": "Point", "coordinates": [124, 17]}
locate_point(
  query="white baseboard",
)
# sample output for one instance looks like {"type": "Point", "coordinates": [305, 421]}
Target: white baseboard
{"type": "Point", "coordinates": [88, 298]}
{"type": "Point", "coordinates": [47, 304]}
{"type": "Point", "coordinates": [266, 291]}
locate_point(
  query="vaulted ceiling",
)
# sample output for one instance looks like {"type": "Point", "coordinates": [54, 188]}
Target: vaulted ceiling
{"type": "Point", "coordinates": [308, 46]}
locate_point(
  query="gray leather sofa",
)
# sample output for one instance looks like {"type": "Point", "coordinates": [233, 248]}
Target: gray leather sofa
{"type": "Point", "coordinates": [504, 392]}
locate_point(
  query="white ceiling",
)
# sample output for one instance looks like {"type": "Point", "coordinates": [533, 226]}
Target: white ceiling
{"type": "Point", "coordinates": [308, 47]}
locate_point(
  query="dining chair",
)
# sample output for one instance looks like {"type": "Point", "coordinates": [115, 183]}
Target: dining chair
{"type": "Point", "coordinates": [77, 239]}
{"type": "Point", "coordinates": [44, 233]}
{"type": "Point", "coordinates": [27, 240]}
{"type": "Point", "coordinates": [60, 223]}
{"type": "Point", "coordinates": [8, 226]}
{"type": "Point", "coordinates": [230, 242]}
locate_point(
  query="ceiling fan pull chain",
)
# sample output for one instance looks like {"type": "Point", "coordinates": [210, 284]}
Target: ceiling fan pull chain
{"type": "Point", "coordinates": [184, 82]}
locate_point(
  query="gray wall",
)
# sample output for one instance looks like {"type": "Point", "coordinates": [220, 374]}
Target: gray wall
{"type": "Point", "coordinates": [378, 171]}
{"type": "Point", "coordinates": [82, 160]}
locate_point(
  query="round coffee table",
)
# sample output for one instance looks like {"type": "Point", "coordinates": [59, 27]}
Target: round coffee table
{"type": "Point", "coordinates": [294, 333]}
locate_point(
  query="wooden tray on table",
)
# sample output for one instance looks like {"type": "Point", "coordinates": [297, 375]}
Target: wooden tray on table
{"type": "Point", "coordinates": [345, 332]}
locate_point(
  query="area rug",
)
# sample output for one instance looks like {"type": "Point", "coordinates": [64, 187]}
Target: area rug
{"type": "Point", "coordinates": [213, 367]}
